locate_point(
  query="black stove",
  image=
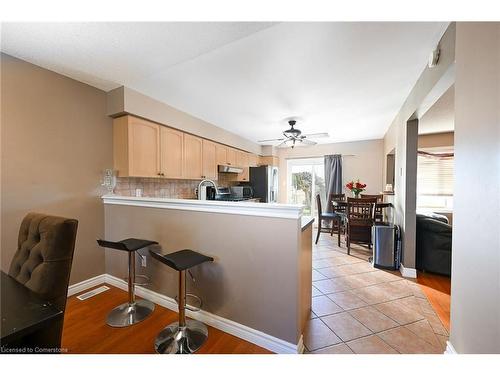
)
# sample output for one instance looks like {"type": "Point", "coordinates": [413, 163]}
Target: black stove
{"type": "Point", "coordinates": [230, 198]}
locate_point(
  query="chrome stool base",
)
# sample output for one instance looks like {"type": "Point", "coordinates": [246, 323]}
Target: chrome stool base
{"type": "Point", "coordinates": [186, 340]}
{"type": "Point", "coordinates": [130, 313]}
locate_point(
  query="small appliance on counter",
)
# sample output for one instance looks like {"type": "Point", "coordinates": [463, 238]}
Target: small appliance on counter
{"type": "Point", "coordinates": [242, 191]}
{"type": "Point", "coordinates": [264, 181]}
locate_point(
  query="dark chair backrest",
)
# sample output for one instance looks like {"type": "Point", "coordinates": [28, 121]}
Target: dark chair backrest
{"type": "Point", "coordinates": [380, 199]}
{"type": "Point", "coordinates": [335, 197]}
{"type": "Point", "coordinates": [44, 256]}
{"type": "Point", "coordinates": [318, 205]}
{"type": "Point", "coordinates": [361, 210]}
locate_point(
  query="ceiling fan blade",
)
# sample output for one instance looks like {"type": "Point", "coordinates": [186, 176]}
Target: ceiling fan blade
{"type": "Point", "coordinates": [272, 140]}
{"type": "Point", "coordinates": [308, 142]}
{"type": "Point", "coordinates": [316, 135]}
{"type": "Point", "coordinates": [283, 144]}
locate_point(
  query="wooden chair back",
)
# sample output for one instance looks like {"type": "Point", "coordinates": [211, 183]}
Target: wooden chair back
{"type": "Point", "coordinates": [378, 210]}
{"type": "Point", "coordinates": [360, 211]}
{"type": "Point", "coordinates": [360, 218]}
{"type": "Point", "coordinates": [379, 197]}
{"type": "Point", "coordinates": [336, 197]}
{"type": "Point", "coordinates": [318, 205]}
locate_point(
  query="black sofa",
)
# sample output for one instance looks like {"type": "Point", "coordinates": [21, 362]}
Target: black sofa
{"type": "Point", "coordinates": [433, 252]}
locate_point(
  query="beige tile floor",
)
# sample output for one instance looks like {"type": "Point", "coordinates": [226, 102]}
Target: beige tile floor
{"type": "Point", "coordinates": [359, 309]}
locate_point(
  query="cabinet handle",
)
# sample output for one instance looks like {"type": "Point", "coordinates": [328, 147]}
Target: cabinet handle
{"type": "Point", "coordinates": [163, 174]}
{"type": "Point", "coordinates": [159, 174]}
{"type": "Point", "coordinates": [202, 176]}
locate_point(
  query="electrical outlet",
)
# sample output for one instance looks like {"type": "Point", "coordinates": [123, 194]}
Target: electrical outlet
{"type": "Point", "coordinates": [143, 261]}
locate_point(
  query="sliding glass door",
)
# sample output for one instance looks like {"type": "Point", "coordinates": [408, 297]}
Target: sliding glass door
{"type": "Point", "coordinates": [305, 179]}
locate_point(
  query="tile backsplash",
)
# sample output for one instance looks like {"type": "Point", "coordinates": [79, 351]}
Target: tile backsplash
{"type": "Point", "coordinates": [166, 188]}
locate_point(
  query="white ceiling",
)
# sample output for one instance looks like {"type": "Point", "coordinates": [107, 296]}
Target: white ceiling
{"type": "Point", "coordinates": [347, 79]}
{"type": "Point", "coordinates": [440, 118]}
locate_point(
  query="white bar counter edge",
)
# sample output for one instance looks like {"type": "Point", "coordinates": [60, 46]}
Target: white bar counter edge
{"type": "Point", "coordinates": [287, 211]}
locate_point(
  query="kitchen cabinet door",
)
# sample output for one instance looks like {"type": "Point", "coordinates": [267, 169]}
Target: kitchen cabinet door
{"type": "Point", "coordinates": [143, 148]}
{"type": "Point", "coordinates": [231, 156]}
{"type": "Point", "coordinates": [253, 160]}
{"type": "Point", "coordinates": [242, 160]}
{"type": "Point", "coordinates": [221, 154]}
{"type": "Point", "coordinates": [193, 156]}
{"type": "Point", "coordinates": [269, 160]}
{"type": "Point", "coordinates": [171, 152]}
{"type": "Point", "coordinates": [209, 160]}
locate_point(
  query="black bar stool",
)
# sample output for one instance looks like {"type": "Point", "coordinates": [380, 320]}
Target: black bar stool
{"type": "Point", "coordinates": [133, 311]}
{"type": "Point", "coordinates": [184, 336]}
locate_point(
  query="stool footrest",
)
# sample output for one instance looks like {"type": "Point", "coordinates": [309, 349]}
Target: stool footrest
{"type": "Point", "coordinates": [147, 280]}
{"type": "Point", "coordinates": [191, 308]}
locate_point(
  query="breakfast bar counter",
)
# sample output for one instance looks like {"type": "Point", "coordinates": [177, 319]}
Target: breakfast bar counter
{"type": "Point", "coordinates": [259, 286]}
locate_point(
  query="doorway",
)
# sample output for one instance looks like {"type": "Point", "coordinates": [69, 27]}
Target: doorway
{"type": "Point", "coordinates": [305, 179]}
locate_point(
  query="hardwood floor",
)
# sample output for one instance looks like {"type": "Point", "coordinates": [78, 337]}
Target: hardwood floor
{"type": "Point", "coordinates": [85, 330]}
{"type": "Point", "coordinates": [437, 289]}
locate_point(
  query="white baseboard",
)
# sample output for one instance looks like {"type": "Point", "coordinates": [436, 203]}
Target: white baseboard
{"type": "Point", "coordinates": [407, 272]}
{"type": "Point", "coordinates": [450, 349]}
{"type": "Point", "coordinates": [86, 284]}
{"type": "Point", "coordinates": [254, 336]}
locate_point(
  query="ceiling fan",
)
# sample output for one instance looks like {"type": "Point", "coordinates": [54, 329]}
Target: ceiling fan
{"type": "Point", "coordinates": [294, 136]}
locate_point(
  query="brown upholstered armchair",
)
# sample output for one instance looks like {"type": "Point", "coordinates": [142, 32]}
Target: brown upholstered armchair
{"type": "Point", "coordinates": [43, 258]}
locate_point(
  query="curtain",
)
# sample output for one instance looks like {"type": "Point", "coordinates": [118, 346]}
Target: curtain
{"type": "Point", "coordinates": [333, 177]}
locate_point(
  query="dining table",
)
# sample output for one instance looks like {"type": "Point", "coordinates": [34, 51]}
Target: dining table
{"type": "Point", "coordinates": [27, 319]}
{"type": "Point", "coordinates": [340, 208]}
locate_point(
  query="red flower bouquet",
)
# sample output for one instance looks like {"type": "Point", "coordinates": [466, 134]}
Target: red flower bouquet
{"type": "Point", "coordinates": [356, 187]}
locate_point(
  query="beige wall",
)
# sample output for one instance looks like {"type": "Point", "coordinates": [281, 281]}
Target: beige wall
{"type": "Point", "coordinates": [56, 140]}
{"type": "Point", "coordinates": [475, 275]}
{"type": "Point", "coordinates": [366, 162]}
{"type": "Point", "coordinates": [435, 140]}
{"type": "Point", "coordinates": [254, 279]}
{"type": "Point", "coordinates": [124, 100]}
{"type": "Point", "coordinates": [400, 134]}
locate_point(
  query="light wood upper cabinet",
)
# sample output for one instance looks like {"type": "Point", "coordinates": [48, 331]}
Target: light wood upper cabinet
{"type": "Point", "coordinates": [171, 152]}
{"type": "Point", "coordinates": [143, 148]}
{"type": "Point", "coordinates": [193, 156]}
{"type": "Point", "coordinates": [242, 160]}
{"type": "Point", "coordinates": [269, 160]}
{"type": "Point", "coordinates": [253, 160]}
{"type": "Point", "coordinates": [209, 169]}
{"type": "Point", "coordinates": [231, 156]}
{"type": "Point", "coordinates": [136, 147]}
{"type": "Point", "coordinates": [221, 154]}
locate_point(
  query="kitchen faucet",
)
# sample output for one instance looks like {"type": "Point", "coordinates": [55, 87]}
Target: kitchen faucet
{"type": "Point", "coordinates": [198, 189]}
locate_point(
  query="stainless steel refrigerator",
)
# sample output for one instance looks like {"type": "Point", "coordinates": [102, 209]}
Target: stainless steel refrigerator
{"type": "Point", "coordinates": [264, 181]}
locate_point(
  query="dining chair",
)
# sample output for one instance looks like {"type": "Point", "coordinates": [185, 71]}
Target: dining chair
{"type": "Point", "coordinates": [379, 216]}
{"type": "Point", "coordinates": [42, 262]}
{"type": "Point", "coordinates": [338, 221]}
{"type": "Point", "coordinates": [359, 220]}
{"type": "Point", "coordinates": [324, 216]}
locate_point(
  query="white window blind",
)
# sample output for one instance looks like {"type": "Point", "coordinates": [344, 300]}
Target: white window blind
{"type": "Point", "coordinates": [435, 176]}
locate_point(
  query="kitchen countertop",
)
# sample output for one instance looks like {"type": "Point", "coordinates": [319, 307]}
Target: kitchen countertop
{"type": "Point", "coordinates": [305, 221]}
{"type": "Point", "coordinates": [289, 211]}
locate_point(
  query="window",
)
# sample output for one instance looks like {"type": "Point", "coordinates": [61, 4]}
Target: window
{"type": "Point", "coordinates": [435, 180]}
{"type": "Point", "coordinates": [305, 179]}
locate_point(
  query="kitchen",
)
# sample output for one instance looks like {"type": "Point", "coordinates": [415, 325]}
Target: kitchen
{"type": "Point", "coordinates": [189, 191]}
